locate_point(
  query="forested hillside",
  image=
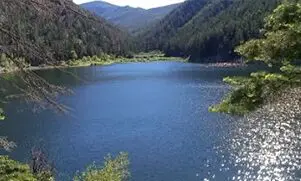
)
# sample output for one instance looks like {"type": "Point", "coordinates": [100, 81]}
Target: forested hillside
{"type": "Point", "coordinates": [160, 33]}
{"type": "Point", "coordinates": [204, 30]}
{"type": "Point", "coordinates": [57, 29]}
{"type": "Point", "coordinates": [208, 30]}
{"type": "Point", "coordinates": [128, 17]}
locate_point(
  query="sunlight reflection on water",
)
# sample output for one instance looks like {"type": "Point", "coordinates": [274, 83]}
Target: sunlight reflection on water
{"type": "Point", "coordinates": [265, 145]}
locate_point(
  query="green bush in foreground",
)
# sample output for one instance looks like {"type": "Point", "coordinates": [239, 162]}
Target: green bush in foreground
{"type": "Point", "coordinates": [280, 47]}
{"type": "Point", "coordinates": [251, 92]}
{"type": "Point", "coordinates": [11, 170]}
{"type": "Point", "coordinates": [114, 169]}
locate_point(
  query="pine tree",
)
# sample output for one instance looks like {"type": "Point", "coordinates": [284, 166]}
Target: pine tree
{"type": "Point", "coordinates": [280, 47]}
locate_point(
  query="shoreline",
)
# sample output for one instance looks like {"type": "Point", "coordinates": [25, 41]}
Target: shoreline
{"type": "Point", "coordinates": [79, 64]}
{"type": "Point", "coordinates": [225, 64]}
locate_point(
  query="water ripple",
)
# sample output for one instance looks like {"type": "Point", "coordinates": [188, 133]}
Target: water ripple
{"type": "Point", "coordinates": [266, 145]}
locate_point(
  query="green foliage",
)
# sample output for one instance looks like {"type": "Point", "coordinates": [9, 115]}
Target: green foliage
{"type": "Point", "coordinates": [106, 59]}
{"type": "Point", "coordinates": [2, 116]}
{"type": "Point", "coordinates": [45, 176]}
{"type": "Point", "coordinates": [73, 55]}
{"type": "Point", "coordinates": [280, 47]}
{"type": "Point", "coordinates": [251, 92]}
{"type": "Point", "coordinates": [5, 62]}
{"type": "Point", "coordinates": [11, 170]}
{"type": "Point", "coordinates": [281, 43]}
{"type": "Point", "coordinates": [113, 170]}
{"type": "Point", "coordinates": [8, 64]}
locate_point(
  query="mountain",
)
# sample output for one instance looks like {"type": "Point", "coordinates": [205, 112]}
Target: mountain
{"type": "Point", "coordinates": [207, 30]}
{"type": "Point", "coordinates": [56, 30]}
{"type": "Point", "coordinates": [158, 34]}
{"type": "Point", "coordinates": [128, 17]}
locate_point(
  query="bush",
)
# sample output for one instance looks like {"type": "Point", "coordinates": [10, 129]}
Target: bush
{"type": "Point", "coordinates": [11, 170]}
{"type": "Point", "coordinates": [113, 170]}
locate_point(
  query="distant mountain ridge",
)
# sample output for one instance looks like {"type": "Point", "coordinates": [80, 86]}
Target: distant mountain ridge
{"type": "Point", "coordinates": [126, 16]}
{"type": "Point", "coordinates": [207, 30]}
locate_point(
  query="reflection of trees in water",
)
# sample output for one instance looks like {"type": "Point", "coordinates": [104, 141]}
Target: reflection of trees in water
{"type": "Point", "coordinates": [266, 145]}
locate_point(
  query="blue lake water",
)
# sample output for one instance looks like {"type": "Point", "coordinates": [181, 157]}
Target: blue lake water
{"type": "Point", "coordinates": [157, 112]}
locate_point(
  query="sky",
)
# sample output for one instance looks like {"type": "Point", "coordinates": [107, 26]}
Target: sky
{"type": "Point", "coordinates": [137, 3]}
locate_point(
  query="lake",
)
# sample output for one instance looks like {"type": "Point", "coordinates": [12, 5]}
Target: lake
{"type": "Point", "coordinates": [157, 112]}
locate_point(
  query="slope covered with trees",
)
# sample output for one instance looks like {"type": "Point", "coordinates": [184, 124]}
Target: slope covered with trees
{"type": "Point", "coordinates": [128, 17]}
{"type": "Point", "coordinates": [280, 47]}
{"type": "Point", "coordinates": [157, 35]}
{"type": "Point", "coordinates": [59, 29]}
{"type": "Point", "coordinates": [208, 30]}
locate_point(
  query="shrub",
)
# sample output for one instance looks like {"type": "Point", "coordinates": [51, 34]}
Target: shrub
{"type": "Point", "coordinates": [113, 170]}
{"type": "Point", "coordinates": [11, 170]}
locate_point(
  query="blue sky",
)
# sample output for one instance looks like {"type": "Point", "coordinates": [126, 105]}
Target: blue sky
{"type": "Point", "coordinates": [137, 3]}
